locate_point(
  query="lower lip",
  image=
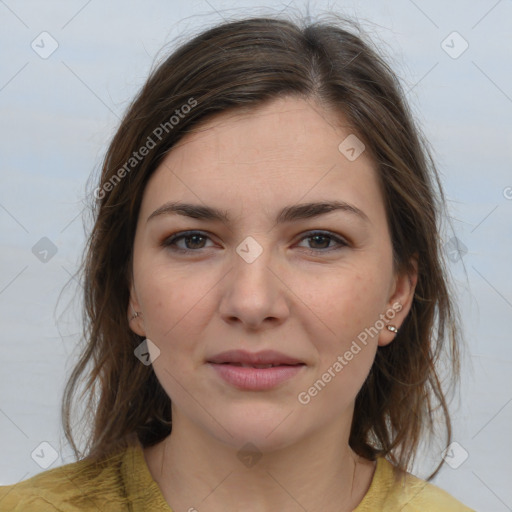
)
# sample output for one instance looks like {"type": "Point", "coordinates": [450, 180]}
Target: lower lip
{"type": "Point", "coordinates": [255, 379]}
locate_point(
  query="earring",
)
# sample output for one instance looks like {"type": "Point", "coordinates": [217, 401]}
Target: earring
{"type": "Point", "coordinates": [392, 328]}
{"type": "Point", "coordinates": [135, 313]}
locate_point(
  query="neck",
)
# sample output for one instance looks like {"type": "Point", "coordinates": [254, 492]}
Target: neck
{"type": "Point", "coordinates": [320, 473]}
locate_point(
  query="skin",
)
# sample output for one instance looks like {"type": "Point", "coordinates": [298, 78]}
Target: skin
{"type": "Point", "coordinates": [305, 297]}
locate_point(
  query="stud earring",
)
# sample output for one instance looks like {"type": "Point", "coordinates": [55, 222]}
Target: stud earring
{"type": "Point", "coordinates": [135, 313]}
{"type": "Point", "coordinates": [392, 328]}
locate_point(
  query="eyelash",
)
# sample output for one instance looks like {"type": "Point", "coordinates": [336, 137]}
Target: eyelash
{"type": "Point", "coordinates": [170, 241]}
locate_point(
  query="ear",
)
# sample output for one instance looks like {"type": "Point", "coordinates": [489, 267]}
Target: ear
{"type": "Point", "coordinates": [135, 318]}
{"type": "Point", "coordinates": [400, 301]}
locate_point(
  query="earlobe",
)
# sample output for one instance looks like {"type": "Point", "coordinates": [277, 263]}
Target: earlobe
{"type": "Point", "coordinates": [400, 303]}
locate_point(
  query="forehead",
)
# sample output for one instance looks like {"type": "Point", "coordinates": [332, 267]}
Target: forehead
{"type": "Point", "coordinates": [286, 127]}
{"type": "Point", "coordinates": [283, 152]}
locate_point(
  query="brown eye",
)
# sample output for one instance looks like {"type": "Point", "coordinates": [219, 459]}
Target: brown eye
{"type": "Point", "coordinates": [193, 241]}
{"type": "Point", "coordinates": [320, 241]}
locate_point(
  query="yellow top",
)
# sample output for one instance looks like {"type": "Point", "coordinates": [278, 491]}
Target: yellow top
{"type": "Point", "coordinates": [123, 483]}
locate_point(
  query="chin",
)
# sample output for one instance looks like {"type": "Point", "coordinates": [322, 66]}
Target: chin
{"type": "Point", "coordinates": [264, 429]}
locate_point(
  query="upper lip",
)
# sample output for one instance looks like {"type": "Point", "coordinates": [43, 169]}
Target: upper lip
{"type": "Point", "coordinates": [263, 357]}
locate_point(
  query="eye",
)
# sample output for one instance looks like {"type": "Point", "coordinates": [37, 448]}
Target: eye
{"type": "Point", "coordinates": [193, 240]}
{"type": "Point", "coordinates": [324, 238]}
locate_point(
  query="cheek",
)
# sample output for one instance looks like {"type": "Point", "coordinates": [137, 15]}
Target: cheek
{"type": "Point", "coordinates": [175, 316]}
{"type": "Point", "coordinates": [347, 309]}
{"type": "Point", "coordinates": [174, 301]}
{"type": "Point", "coordinates": [343, 305]}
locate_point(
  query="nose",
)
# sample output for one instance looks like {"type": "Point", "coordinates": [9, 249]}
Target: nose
{"type": "Point", "coordinates": [254, 293]}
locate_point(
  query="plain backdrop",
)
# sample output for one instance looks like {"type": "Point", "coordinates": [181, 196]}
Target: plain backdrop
{"type": "Point", "coordinates": [68, 71]}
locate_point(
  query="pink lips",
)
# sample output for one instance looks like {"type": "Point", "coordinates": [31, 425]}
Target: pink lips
{"type": "Point", "coordinates": [255, 371]}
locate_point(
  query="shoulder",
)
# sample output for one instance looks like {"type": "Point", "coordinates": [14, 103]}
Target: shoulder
{"type": "Point", "coordinates": [410, 494]}
{"type": "Point", "coordinates": [78, 486]}
{"type": "Point", "coordinates": [420, 496]}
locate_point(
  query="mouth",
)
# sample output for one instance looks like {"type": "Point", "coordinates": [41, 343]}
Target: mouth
{"type": "Point", "coordinates": [263, 359]}
{"type": "Point", "coordinates": [255, 371]}
{"type": "Point", "coordinates": [260, 366]}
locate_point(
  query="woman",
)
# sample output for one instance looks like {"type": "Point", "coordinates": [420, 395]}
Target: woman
{"type": "Point", "coordinates": [265, 296]}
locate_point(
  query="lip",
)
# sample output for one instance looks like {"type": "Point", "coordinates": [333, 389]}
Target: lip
{"type": "Point", "coordinates": [227, 365]}
{"type": "Point", "coordinates": [255, 379]}
{"type": "Point", "coordinates": [254, 358]}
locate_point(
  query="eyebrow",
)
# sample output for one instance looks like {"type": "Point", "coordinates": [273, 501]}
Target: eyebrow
{"type": "Point", "coordinates": [287, 214]}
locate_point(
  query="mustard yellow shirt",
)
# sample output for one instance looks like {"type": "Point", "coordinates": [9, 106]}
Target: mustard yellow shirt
{"type": "Point", "coordinates": [123, 483]}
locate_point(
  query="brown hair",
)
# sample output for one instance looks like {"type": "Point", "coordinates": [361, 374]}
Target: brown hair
{"type": "Point", "coordinates": [241, 65]}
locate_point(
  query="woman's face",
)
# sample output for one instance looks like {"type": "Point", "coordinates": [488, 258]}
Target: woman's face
{"type": "Point", "coordinates": [264, 279]}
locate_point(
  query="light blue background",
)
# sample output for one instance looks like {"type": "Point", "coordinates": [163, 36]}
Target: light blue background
{"type": "Point", "coordinates": [58, 115]}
